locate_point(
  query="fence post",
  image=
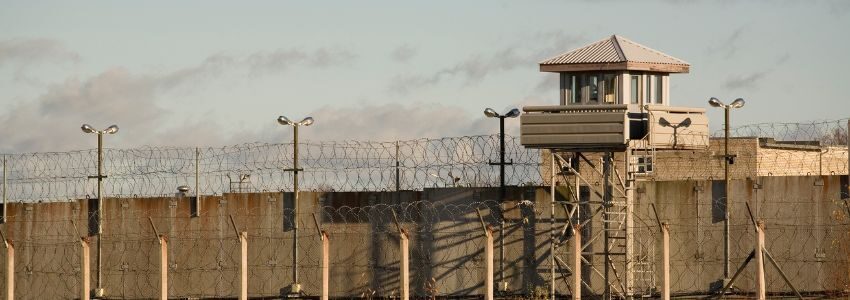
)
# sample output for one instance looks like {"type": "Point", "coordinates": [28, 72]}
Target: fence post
{"type": "Point", "coordinates": [163, 267]}
{"type": "Point", "coordinates": [10, 269]}
{"type": "Point", "coordinates": [326, 266]}
{"type": "Point", "coordinates": [576, 261]}
{"type": "Point", "coordinates": [488, 258]}
{"type": "Point", "coordinates": [404, 279]}
{"type": "Point", "coordinates": [759, 256]}
{"type": "Point", "coordinates": [665, 260]}
{"type": "Point", "coordinates": [243, 265]}
{"type": "Point", "coordinates": [85, 269]}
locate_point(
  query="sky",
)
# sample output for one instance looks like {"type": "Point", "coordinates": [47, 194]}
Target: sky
{"type": "Point", "coordinates": [213, 73]}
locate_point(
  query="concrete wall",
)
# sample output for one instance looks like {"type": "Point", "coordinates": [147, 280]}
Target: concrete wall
{"type": "Point", "coordinates": [804, 215]}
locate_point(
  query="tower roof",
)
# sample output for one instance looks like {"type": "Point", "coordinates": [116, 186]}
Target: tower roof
{"type": "Point", "coordinates": [614, 53]}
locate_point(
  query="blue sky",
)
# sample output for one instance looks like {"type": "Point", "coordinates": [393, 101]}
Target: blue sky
{"type": "Point", "coordinates": [214, 73]}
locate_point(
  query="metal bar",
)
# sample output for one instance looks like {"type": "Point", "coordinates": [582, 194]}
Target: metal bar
{"type": "Point", "coordinates": [397, 224]}
{"type": "Point", "coordinates": [740, 269]}
{"type": "Point", "coordinates": [501, 199]}
{"type": "Point", "coordinates": [483, 224]}
{"type": "Point", "coordinates": [552, 229]}
{"type": "Point", "coordinates": [563, 265]}
{"type": "Point", "coordinates": [606, 172]}
{"type": "Point", "coordinates": [761, 290]}
{"type": "Point", "coordinates": [99, 213]}
{"type": "Point", "coordinates": [665, 261]}
{"type": "Point", "coordinates": [10, 269]}
{"type": "Point", "coordinates": [397, 171]}
{"type": "Point", "coordinates": [657, 219]}
{"type": "Point", "coordinates": [781, 273]}
{"type": "Point", "coordinates": [577, 249]}
{"type": "Point", "coordinates": [243, 265]}
{"type": "Point", "coordinates": [85, 269]}
{"type": "Point", "coordinates": [488, 259]}
{"type": "Point", "coordinates": [235, 228]}
{"type": "Point", "coordinates": [404, 274]}
{"type": "Point", "coordinates": [575, 172]}
{"type": "Point", "coordinates": [155, 232]}
{"type": "Point", "coordinates": [326, 266]}
{"type": "Point", "coordinates": [727, 203]}
{"type": "Point", "coordinates": [295, 211]}
{"type": "Point", "coordinates": [197, 182]}
{"type": "Point", "coordinates": [163, 268]}
{"type": "Point", "coordinates": [5, 187]}
{"type": "Point", "coordinates": [318, 228]}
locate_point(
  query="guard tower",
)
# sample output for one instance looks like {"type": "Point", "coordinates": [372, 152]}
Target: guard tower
{"type": "Point", "coordinates": [614, 114]}
{"type": "Point", "coordinates": [615, 94]}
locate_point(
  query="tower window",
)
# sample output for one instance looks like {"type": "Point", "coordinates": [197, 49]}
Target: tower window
{"type": "Point", "coordinates": [575, 89]}
{"type": "Point", "coordinates": [659, 89]}
{"type": "Point", "coordinates": [593, 88]}
{"type": "Point", "coordinates": [609, 87]}
{"type": "Point", "coordinates": [635, 87]}
{"type": "Point", "coordinates": [648, 89]}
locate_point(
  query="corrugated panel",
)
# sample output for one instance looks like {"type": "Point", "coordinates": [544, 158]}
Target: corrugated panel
{"type": "Point", "coordinates": [604, 51]}
{"type": "Point", "coordinates": [635, 52]}
{"type": "Point", "coordinates": [613, 49]}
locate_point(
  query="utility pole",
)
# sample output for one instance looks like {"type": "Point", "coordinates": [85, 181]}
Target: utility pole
{"type": "Point", "coordinates": [295, 288]}
{"type": "Point", "coordinates": [513, 113]}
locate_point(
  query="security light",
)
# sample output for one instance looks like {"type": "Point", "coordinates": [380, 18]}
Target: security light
{"type": "Point", "coordinates": [111, 129]}
{"type": "Point", "coordinates": [513, 113]}
{"type": "Point", "coordinates": [306, 122]}
{"type": "Point", "coordinates": [738, 103]}
{"type": "Point", "coordinates": [716, 103]}
{"type": "Point", "coordinates": [88, 129]}
{"type": "Point", "coordinates": [284, 120]}
{"type": "Point", "coordinates": [490, 113]}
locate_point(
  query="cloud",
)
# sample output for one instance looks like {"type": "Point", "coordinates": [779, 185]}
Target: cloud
{"type": "Point", "coordinates": [477, 67]}
{"type": "Point", "coordinates": [22, 52]}
{"type": "Point", "coordinates": [51, 121]}
{"type": "Point", "coordinates": [729, 46]}
{"type": "Point", "coordinates": [752, 80]}
{"type": "Point", "coordinates": [403, 53]}
{"type": "Point", "coordinates": [393, 121]}
{"type": "Point", "coordinates": [748, 81]}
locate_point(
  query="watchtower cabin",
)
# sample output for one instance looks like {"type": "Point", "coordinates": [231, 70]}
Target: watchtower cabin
{"type": "Point", "coordinates": [615, 94]}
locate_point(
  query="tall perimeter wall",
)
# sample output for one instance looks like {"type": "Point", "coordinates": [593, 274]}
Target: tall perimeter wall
{"type": "Point", "coordinates": [806, 228]}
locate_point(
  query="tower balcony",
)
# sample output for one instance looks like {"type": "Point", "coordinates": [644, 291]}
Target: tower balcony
{"type": "Point", "coordinates": [613, 127]}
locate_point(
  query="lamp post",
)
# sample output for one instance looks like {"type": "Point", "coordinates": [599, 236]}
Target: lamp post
{"type": "Point", "coordinates": [729, 159]}
{"type": "Point", "coordinates": [490, 113]}
{"type": "Point", "coordinates": [109, 130]}
{"type": "Point", "coordinates": [295, 288]}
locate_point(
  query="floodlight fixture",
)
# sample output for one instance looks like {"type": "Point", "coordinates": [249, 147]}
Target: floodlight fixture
{"type": "Point", "coordinates": [283, 120]}
{"type": "Point", "coordinates": [88, 129]}
{"type": "Point", "coordinates": [513, 113]}
{"type": "Point", "coordinates": [715, 102]}
{"type": "Point", "coordinates": [490, 113]}
{"type": "Point", "coordinates": [306, 122]}
{"type": "Point", "coordinates": [738, 103]}
{"type": "Point", "coordinates": [111, 129]}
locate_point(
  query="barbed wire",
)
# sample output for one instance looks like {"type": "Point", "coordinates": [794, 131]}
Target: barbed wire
{"type": "Point", "coordinates": [796, 149]}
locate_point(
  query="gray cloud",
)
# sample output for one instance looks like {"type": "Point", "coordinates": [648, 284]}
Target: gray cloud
{"type": "Point", "coordinates": [728, 46]}
{"type": "Point", "coordinates": [749, 81]}
{"type": "Point", "coordinates": [477, 67]}
{"type": "Point", "coordinates": [752, 80]}
{"type": "Point", "coordinates": [50, 122]}
{"type": "Point", "coordinates": [22, 51]}
{"type": "Point", "coordinates": [393, 121]}
{"type": "Point", "coordinates": [403, 53]}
